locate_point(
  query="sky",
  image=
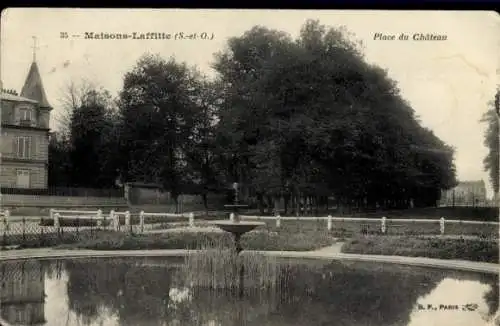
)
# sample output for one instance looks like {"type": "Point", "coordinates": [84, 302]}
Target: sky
{"type": "Point", "coordinates": [448, 83]}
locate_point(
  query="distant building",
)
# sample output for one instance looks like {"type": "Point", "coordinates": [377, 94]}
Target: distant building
{"type": "Point", "coordinates": [145, 193]}
{"type": "Point", "coordinates": [25, 134]}
{"type": "Point", "coordinates": [466, 193]}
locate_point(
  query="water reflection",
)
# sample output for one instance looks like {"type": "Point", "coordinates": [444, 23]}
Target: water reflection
{"type": "Point", "coordinates": [22, 295]}
{"type": "Point", "coordinates": [120, 292]}
{"type": "Point", "coordinates": [458, 308]}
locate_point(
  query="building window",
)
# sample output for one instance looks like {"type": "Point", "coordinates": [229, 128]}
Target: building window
{"type": "Point", "coordinates": [26, 116]}
{"type": "Point", "coordinates": [23, 178]}
{"type": "Point", "coordinates": [23, 146]}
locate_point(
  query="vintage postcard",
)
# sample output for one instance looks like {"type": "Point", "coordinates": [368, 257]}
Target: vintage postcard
{"type": "Point", "coordinates": [249, 167]}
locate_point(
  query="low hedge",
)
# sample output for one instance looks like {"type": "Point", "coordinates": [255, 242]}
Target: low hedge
{"type": "Point", "coordinates": [474, 249]}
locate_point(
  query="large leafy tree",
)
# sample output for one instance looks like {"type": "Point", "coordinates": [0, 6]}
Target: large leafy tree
{"type": "Point", "coordinates": [83, 153]}
{"type": "Point", "coordinates": [59, 169]}
{"type": "Point", "coordinates": [93, 141]}
{"type": "Point", "coordinates": [309, 117]}
{"type": "Point", "coordinates": [204, 172]}
{"type": "Point", "coordinates": [491, 141]}
{"type": "Point", "coordinates": [159, 105]}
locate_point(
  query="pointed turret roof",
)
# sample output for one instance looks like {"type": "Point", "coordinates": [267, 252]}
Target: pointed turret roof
{"type": "Point", "coordinates": [33, 87]}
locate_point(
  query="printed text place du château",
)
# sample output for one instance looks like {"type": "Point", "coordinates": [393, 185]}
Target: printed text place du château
{"type": "Point", "coordinates": [406, 37]}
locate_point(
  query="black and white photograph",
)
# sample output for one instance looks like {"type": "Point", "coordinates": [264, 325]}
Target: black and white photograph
{"type": "Point", "coordinates": [223, 167]}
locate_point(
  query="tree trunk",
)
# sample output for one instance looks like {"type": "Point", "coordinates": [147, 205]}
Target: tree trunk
{"type": "Point", "coordinates": [176, 203]}
{"type": "Point", "coordinates": [286, 202]}
{"type": "Point", "coordinates": [205, 203]}
{"type": "Point", "coordinates": [297, 205]}
{"type": "Point", "coordinates": [276, 204]}
{"type": "Point", "coordinates": [260, 199]}
{"type": "Point", "coordinates": [340, 207]}
{"type": "Point", "coordinates": [270, 204]}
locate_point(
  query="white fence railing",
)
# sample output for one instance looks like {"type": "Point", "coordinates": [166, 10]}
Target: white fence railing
{"type": "Point", "coordinates": [383, 221]}
{"type": "Point", "coordinates": [114, 217]}
{"type": "Point", "coordinates": [58, 214]}
{"type": "Point", "coordinates": [96, 215]}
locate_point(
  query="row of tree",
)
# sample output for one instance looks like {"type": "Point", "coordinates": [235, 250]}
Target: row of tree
{"type": "Point", "coordinates": [295, 119]}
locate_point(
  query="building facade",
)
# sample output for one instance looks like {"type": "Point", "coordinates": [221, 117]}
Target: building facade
{"type": "Point", "coordinates": [466, 193]}
{"type": "Point", "coordinates": [25, 135]}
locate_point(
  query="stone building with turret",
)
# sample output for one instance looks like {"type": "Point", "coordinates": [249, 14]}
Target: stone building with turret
{"type": "Point", "coordinates": [25, 134]}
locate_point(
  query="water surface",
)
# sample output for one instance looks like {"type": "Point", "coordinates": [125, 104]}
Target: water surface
{"type": "Point", "coordinates": [155, 291]}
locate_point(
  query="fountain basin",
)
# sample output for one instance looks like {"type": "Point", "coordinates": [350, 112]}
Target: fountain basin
{"type": "Point", "coordinates": [238, 228]}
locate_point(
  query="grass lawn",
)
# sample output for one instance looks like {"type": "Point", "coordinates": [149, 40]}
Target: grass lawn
{"type": "Point", "coordinates": [477, 249]}
{"type": "Point", "coordinates": [362, 238]}
{"type": "Point", "coordinates": [354, 228]}
{"type": "Point", "coordinates": [110, 240]}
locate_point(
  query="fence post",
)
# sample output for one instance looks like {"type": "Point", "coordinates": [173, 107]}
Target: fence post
{"type": "Point", "coordinates": [6, 226]}
{"type": "Point", "coordinates": [113, 220]}
{"type": "Point", "coordinates": [231, 217]}
{"type": "Point", "coordinates": [56, 221]}
{"type": "Point", "coordinates": [329, 223]}
{"type": "Point", "coordinates": [441, 225]}
{"type": "Point", "coordinates": [141, 221]}
{"type": "Point", "coordinates": [99, 217]}
{"type": "Point", "coordinates": [383, 226]}
{"type": "Point", "coordinates": [6, 217]}
{"type": "Point", "coordinates": [24, 230]}
{"type": "Point", "coordinates": [278, 220]}
{"type": "Point", "coordinates": [191, 219]}
{"type": "Point", "coordinates": [127, 220]}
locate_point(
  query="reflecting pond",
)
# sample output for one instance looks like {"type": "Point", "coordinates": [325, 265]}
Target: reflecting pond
{"type": "Point", "coordinates": [158, 291]}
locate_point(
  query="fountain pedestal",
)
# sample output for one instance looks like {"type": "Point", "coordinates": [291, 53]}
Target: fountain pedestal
{"type": "Point", "coordinates": [237, 228]}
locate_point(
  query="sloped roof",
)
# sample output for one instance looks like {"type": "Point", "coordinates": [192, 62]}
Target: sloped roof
{"type": "Point", "coordinates": [33, 87]}
{"type": "Point", "coordinates": [15, 98]}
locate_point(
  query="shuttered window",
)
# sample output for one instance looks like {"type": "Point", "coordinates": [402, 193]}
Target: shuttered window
{"type": "Point", "coordinates": [23, 147]}
{"type": "Point", "coordinates": [26, 114]}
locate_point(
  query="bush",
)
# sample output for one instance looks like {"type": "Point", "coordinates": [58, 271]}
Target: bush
{"type": "Point", "coordinates": [52, 238]}
{"type": "Point", "coordinates": [191, 240]}
{"type": "Point", "coordinates": [474, 249]}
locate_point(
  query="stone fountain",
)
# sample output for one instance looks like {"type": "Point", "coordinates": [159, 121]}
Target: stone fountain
{"type": "Point", "coordinates": [235, 226]}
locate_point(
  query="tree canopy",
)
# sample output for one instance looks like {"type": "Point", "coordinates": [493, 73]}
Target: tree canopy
{"type": "Point", "coordinates": [311, 117]}
{"type": "Point", "coordinates": [301, 119]}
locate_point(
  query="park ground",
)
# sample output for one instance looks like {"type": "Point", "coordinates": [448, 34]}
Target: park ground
{"type": "Point", "coordinates": [478, 243]}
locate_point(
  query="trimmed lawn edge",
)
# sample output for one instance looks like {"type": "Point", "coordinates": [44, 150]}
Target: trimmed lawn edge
{"type": "Point", "coordinates": [469, 249]}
